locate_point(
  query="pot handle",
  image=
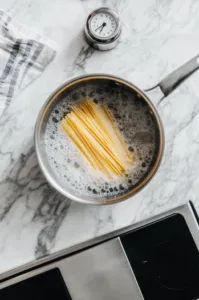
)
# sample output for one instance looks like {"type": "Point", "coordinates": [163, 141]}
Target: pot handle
{"type": "Point", "coordinates": [171, 81]}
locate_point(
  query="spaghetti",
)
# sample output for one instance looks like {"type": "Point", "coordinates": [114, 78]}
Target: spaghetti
{"type": "Point", "coordinates": [93, 130]}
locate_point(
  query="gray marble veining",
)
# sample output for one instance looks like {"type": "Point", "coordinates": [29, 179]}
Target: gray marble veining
{"type": "Point", "coordinates": [157, 37]}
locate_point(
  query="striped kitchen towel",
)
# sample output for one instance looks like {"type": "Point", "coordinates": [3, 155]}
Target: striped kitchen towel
{"type": "Point", "coordinates": [23, 56]}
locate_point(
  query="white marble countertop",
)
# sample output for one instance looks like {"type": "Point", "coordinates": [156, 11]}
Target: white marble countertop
{"type": "Point", "coordinates": [157, 37]}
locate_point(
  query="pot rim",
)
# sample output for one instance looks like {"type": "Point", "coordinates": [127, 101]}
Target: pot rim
{"type": "Point", "coordinates": [37, 139]}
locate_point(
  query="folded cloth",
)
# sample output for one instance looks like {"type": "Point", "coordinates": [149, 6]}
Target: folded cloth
{"type": "Point", "coordinates": [23, 56]}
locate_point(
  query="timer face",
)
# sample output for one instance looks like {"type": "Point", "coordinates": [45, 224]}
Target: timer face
{"type": "Point", "coordinates": [103, 25]}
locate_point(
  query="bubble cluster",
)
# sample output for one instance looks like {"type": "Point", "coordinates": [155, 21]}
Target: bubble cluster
{"type": "Point", "coordinates": [137, 127]}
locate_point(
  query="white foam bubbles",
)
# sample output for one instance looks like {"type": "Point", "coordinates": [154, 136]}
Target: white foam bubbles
{"type": "Point", "coordinates": [138, 130]}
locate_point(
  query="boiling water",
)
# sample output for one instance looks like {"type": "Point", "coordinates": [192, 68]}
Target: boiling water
{"type": "Point", "coordinates": [136, 124]}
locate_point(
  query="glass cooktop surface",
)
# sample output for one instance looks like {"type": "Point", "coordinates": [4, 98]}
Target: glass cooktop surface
{"type": "Point", "coordinates": [48, 285]}
{"type": "Point", "coordinates": [164, 259]}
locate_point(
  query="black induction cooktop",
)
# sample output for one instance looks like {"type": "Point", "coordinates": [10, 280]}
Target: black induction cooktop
{"type": "Point", "coordinates": [162, 253]}
{"type": "Point", "coordinates": [48, 285]}
{"type": "Point", "coordinates": [164, 259]}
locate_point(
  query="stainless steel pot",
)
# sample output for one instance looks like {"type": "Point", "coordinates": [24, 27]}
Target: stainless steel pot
{"type": "Point", "coordinates": [167, 85]}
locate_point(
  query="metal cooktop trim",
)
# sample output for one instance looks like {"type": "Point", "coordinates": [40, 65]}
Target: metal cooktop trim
{"type": "Point", "coordinates": [185, 210]}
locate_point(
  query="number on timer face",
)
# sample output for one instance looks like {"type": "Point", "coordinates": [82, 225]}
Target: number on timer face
{"type": "Point", "coordinates": [103, 25]}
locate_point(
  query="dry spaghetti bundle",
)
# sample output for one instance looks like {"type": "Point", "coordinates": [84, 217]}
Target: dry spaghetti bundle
{"type": "Point", "coordinates": [93, 130]}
